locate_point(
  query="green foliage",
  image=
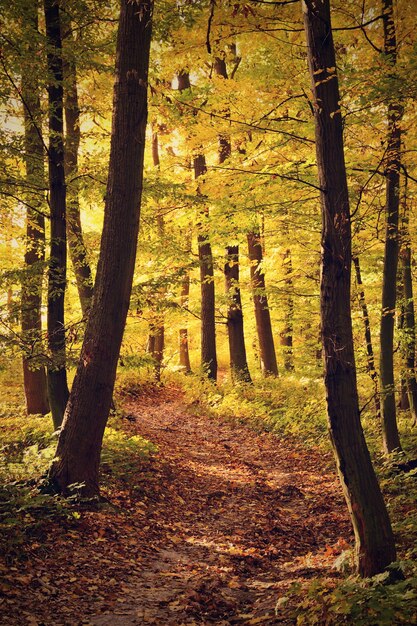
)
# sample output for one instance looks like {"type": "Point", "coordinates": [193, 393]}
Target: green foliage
{"type": "Point", "coordinates": [290, 406]}
{"type": "Point", "coordinates": [25, 513]}
{"type": "Point", "coordinates": [122, 455]}
{"type": "Point", "coordinates": [362, 602]}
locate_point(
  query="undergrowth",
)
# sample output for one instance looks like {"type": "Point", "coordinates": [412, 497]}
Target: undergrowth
{"type": "Point", "coordinates": [290, 406]}
{"type": "Point", "coordinates": [295, 407]}
{"type": "Point", "coordinates": [27, 447]}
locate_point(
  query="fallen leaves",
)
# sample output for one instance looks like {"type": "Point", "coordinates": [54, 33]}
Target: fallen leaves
{"type": "Point", "coordinates": [212, 529]}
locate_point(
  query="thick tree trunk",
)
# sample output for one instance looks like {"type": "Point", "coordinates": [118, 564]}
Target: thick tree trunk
{"type": "Point", "coordinates": [368, 336]}
{"type": "Point", "coordinates": [77, 249]}
{"type": "Point", "coordinates": [57, 373]}
{"type": "Point", "coordinates": [238, 362]}
{"type": "Point", "coordinates": [34, 375]}
{"type": "Point", "coordinates": [79, 446]}
{"type": "Point", "coordinates": [208, 319]}
{"type": "Point", "coordinates": [391, 439]}
{"type": "Point", "coordinates": [375, 548]}
{"type": "Point", "coordinates": [260, 300]}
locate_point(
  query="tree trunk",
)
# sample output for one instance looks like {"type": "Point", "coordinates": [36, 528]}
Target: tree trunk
{"type": "Point", "coordinates": [184, 296]}
{"type": "Point", "coordinates": [237, 350]}
{"type": "Point", "coordinates": [79, 446]}
{"type": "Point", "coordinates": [409, 331]}
{"type": "Point", "coordinates": [34, 375]}
{"type": "Point", "coordinates": [184, 83]}
{"type": "Point", "coordinates": [156, 340]}
{"type": "Point", "coordinates": [287, 332]}
{"type": "Point", "coordinates": [260, 300]}
{"type": "Point", "coordinates": [208, 319]}
{"type": "Point", "coordinates": [77, 249]}
{"type": "Point", "coordinates": [368, 336]}
{"type": "Point", "coordinates": [375, 548]}
{"type": "Point", "coordinates": [57, 373]}
{"type": "Point", "coordinates": [391, 439]}
{"type": "Point", "coordinates": [238, 361]}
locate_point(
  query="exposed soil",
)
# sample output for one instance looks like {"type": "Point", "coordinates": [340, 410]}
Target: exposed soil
{"type": "Point", "coordinates": [214, 530]}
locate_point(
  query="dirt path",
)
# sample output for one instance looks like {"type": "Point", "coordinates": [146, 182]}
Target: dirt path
{"type": "Point", "coordinates": [238, 516]}
{"type": "Point", "coordinates": [211, 530]}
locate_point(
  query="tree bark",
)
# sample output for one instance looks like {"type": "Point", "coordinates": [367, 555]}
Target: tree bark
{"type": "Point", "coordinates": [57, 373]}
{"type": "Point", "coordinates": [183, 333]}
{"type": "Point", "coordinates": [390, 435]}
{"type": "Point", "coordinates": [287, 332]}
{"type": "Point", "coordinates": [34, 375]}
{"type": "Point", "coordinates": [76, 246]}
{"type": "Point", "coordinates": [368, 336]}
{"type": "Point", "coordinates": [156, 341]}
{"type": "Point", "coordinates": [183, 79]}
{"type": "Point", "coordinates": [237, 350]}
{"type": "Point", "coordinates": [208, 319]}
{"type": "Point", "coordinates": [79, 446]}
{"type": "Point", "coordinates": [375, 548]}
{"type": "Point", "coordinates": [238, 361]}
{"type": "Point", "coordinates": [409, 330]}
{"type": "Point", "coordinates": [268, 358]}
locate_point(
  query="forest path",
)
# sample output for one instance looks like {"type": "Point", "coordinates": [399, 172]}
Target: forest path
{"type": "Point", "coordinates": [231, 518]}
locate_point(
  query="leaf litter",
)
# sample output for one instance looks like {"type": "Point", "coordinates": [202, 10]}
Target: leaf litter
{"type": "Point", "coordinates": [212, 529]}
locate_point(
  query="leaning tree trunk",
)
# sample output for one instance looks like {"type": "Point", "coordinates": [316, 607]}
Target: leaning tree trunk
{"type": "Point", "coordinates": [79, 446]}
{"type": "Point", "coordinates": [205, 257]}
{"type": "Point", "coordinates": [235, 332]}
{"type": "Point", "coordinates": [34, 375]}
{"type": "Point", "coordinates": [57, 373]}
{"type": "Point", "coordinates": [368, 336]}
{"type": "Point", "coordinates": [391, 439]}
{"type": "Point", "coordinates": [269, 365]}
{"type": "Point", "coordinates": [76, 246]}
{"type": "Point", "coordinates": [375, 548]}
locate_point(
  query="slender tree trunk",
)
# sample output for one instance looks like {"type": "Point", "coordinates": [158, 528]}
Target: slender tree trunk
{"type": "Point", "coordinates": [208, 319]}
{"type": "Point", "coordinates": [237, 350]}
{"type": "Point", "coordinates": [79, 446]}
{"type": "Point", "coordinates": [409, 322]}
{"type": "Point", "coordinates": [57, 373]}
{"type": "Point", "coordinates": [402, 402]}
{"type": "Point", "coordinates": [287, 332]}
{"type": "Point", "coordinates": [76, 247]}
{"type": "Point", "coordinates": [391, 439]}
{"type": "Point", "coordinates": [184, 83]}
{"type": "Point", "coordinates": [34, 375]}
{"type": "Point", "coordinates": [156, 340]}
{"type": "Point", "coordinates": [260, 300]}
{"type": "Point", "coordinates": [368, 336]}
{"type": "Point", "coordinates": [184, 298]}
{"type": "Point", "coordinates": [375, 548]}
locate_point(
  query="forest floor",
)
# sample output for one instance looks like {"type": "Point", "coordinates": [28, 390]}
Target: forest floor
{"type": "Point", "coordinates": [212, 529]}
